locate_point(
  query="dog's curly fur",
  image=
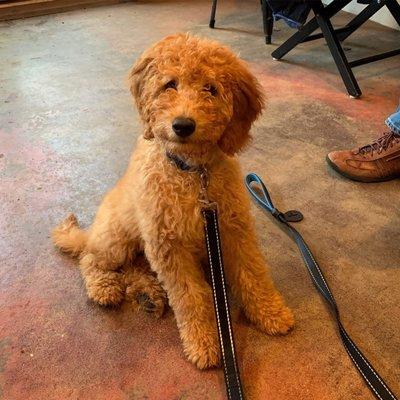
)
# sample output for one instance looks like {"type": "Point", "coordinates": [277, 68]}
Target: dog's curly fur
{"type": "Point", "coordinates": [154, 208]}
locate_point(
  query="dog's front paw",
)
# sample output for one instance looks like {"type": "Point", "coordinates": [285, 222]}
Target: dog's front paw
{"type": "Point", "coordinates": [276, 320]}
{"type": "Point", "coordinates": [202, 348]}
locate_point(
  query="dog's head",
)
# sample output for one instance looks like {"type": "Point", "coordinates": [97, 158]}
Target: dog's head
{"type": "Point", "coordinates": [194, 94]}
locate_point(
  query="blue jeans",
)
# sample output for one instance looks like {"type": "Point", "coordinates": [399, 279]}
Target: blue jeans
{"type": "Point", "coordinates": [293, 12]}
{"type": "Point", "coordinates": [393, 122]}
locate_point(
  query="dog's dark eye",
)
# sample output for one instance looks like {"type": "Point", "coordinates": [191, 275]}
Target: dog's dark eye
{"type": "Point", "coordinates": [170, 85]}
{"type": "Point", "coordinates": [211, 89]}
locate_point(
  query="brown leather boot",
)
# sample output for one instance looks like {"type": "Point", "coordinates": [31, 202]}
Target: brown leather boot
{"type": "Point", "coordinates": [375, 162]}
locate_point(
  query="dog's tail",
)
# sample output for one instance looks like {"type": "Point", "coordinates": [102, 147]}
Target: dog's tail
{"type": "Point", "coordinates": [68, 237]}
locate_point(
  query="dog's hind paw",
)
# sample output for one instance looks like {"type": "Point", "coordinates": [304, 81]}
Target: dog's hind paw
{"type": "Point", "coordinates": [152, 300]}
{"type": "Point", "coordinates": [107, 289]}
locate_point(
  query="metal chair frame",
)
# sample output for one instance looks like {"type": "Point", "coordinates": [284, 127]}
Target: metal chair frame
{"type": "Point", "coordinates": [333, 37]}
{"type": "Point", "coordinates": [268, 20]}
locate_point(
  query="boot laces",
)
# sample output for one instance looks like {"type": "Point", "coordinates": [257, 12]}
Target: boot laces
{"type": "Point", "coordinates": [380, 144]}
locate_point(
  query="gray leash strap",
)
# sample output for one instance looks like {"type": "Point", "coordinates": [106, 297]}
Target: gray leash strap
{"type": "Point", "coordinates": [377, 385]}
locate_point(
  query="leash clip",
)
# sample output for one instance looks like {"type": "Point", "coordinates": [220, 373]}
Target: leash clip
{"type": "Point", "coordinates": [203, 196]}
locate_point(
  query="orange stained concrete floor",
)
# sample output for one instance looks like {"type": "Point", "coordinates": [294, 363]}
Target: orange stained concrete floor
{"type": "Point", "coordinates": [67, 128]}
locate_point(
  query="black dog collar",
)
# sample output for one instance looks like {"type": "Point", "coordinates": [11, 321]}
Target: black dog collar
{"type": "Point", "coordinates": [182, 165]}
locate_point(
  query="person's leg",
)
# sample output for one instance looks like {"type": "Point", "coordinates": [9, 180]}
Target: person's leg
{"type": "Point", "coordinates": [374, 162]}
{"type": "Point", "coordinates": [393, 122]}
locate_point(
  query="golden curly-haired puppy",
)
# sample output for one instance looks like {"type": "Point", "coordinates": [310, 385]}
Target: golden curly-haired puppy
{"type": "Point", "coordinates": [197, 101]}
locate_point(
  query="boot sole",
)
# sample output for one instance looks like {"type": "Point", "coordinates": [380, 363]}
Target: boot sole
{"type": "Point", "coordinates": [358, 178]}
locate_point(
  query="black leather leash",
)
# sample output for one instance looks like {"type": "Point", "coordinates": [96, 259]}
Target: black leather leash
{"type": "Point", "coordinates": [209, 211]}
{"type": "Point", "coordinates": [377, 385]}
{"type": "Point", "coordinates": [221, 305]}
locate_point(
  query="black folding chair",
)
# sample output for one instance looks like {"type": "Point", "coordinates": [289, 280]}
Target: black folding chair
{"type": "Point", "coordinates": [333, 36]}
{"type": "Point", "coordinates": [268, 20]}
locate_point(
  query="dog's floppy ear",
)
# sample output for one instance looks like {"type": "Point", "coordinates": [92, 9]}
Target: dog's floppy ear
{"type": "Point", "coordinates": [248, 103]}
{"type": "Point", "coordinates": [138, 75]}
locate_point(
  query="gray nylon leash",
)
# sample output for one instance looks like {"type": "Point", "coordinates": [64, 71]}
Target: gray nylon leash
{"type": "Point", "coordinates": [377, 385]}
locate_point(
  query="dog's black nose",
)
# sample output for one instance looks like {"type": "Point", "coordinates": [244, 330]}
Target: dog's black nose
{"type": "Point", "coordinates": [183, 126]}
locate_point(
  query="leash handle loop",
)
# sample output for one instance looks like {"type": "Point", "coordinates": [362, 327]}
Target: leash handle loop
{"type": "Point", "coordinates": [376, 384]}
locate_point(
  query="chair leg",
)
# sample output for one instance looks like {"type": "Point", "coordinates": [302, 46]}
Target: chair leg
{"type": "Point", "coordinates": [362, 17]}
{"type": "Point", "coordinates": [301, 35]}
{"type": "Point", "coordinates": [394, 9]}
{"type": "Point", "coordinates": [212, 16]}
{"type": "Point", "coordinates": [268, 21]}
{"type": "Point", "coordinates": [295, 39]}
{"type": "Point", "coordinates": [336, 51]}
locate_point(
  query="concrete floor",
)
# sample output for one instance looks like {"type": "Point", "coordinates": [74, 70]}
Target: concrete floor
{"type": "Point", "coordinates": [67, 129]}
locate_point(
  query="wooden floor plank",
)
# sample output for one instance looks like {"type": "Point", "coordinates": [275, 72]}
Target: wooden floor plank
{"type": "Point", "coordinates": [30, 8]}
